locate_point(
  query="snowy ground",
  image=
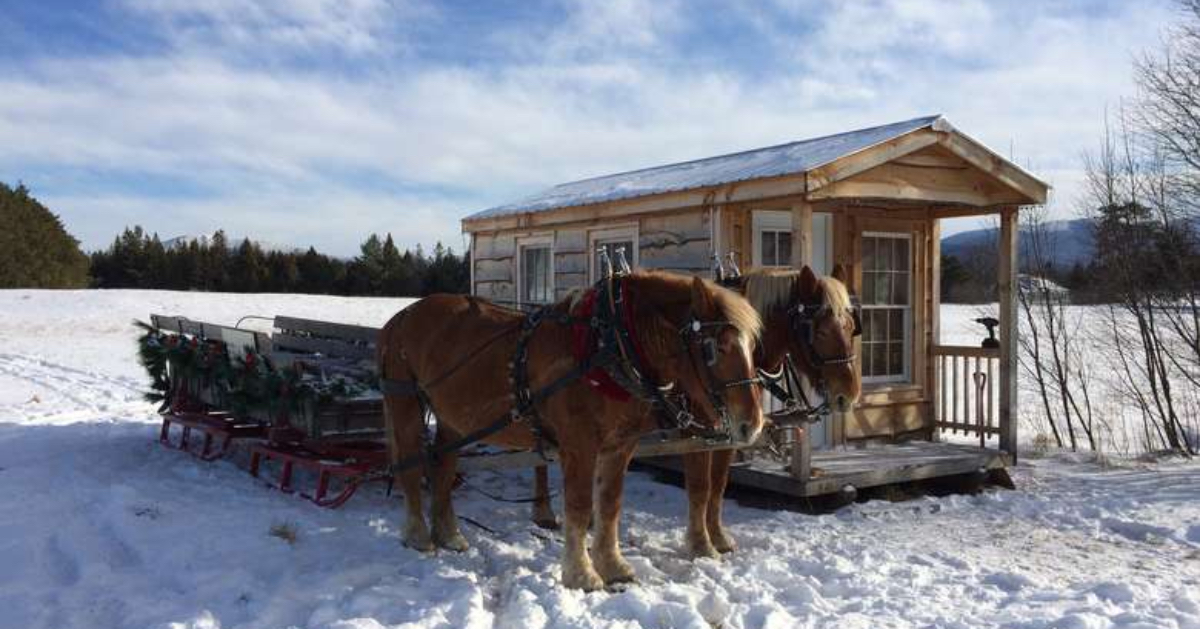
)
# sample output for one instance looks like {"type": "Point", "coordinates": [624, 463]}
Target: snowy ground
{"type": "Point", "coordinates": [101, 527]}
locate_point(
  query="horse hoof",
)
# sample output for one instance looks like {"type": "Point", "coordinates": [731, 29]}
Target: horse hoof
{"type": "Point", "coordinates": [586, 580]}
{"type": "Point", "coordinates": [706, 551]}
{"type": "Point", "coordinates": [419, 543]}
{"type": "Point", "coordinates": [723, 543]}
{"type": "Point", "coordinates": [618, 571]}
{"type": "Point", "coordinates": [550, 524]}
{"type": "Point", "coordinates": [455, 542]}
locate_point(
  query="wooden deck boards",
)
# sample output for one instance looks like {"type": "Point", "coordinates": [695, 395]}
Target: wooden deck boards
{"type": "Point", "coordinates": [870, 466]}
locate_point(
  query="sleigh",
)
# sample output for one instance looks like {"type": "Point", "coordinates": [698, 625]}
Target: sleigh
{"type": "Point", "coordinates": [336, 439]}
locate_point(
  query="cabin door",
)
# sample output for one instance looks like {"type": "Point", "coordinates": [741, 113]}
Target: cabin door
{"type": "Point", "coordinates": [772, 231]}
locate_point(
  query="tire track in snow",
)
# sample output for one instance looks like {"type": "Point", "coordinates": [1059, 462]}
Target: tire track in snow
{"type": "Point", "coordinates": [83, 389]}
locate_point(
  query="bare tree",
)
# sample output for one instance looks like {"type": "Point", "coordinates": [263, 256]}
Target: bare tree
{"type": "Point", "coordinates": [1049, 352]}
{"type": "Point", "coordinates": [1135, 195]}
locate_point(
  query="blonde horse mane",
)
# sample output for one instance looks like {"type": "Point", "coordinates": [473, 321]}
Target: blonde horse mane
{"type": "Point", "coordinates": [767, 289]}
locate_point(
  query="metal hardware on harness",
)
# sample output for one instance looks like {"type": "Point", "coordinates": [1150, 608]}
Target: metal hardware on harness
{"type": "Point", "coordinates": [622, 264]}
{"type": "Point", "coordinates": [605, 262]}
{"type": "Point", "coordinates": [733, 271]}
{"type": "Point", "coordinates": [785, 386]}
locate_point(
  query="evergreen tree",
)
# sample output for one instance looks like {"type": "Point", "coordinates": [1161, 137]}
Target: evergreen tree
{"type": "Point", "coordinates": [247, 272]}
{"type": "Point", "coordinates": [35, 249]}
{"type": "Point", "coordinates": [216, 261]}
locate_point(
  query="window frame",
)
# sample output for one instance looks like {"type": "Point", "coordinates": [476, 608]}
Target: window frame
{"type": "Point", "coordinates": [607, 235]}
{"type": "Point", "coordinates": [907, 324]}
{"type": "Point", "coordinates": [777, 221]}
{"type": "Point", "coordinates": [540, 241]}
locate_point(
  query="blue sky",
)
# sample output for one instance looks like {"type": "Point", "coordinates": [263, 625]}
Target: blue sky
{"type": "Point", "coordinates": [318, 121]}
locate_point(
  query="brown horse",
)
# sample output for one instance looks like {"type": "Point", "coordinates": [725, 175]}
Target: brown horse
{"type": "Point", "coordinates": [686, 335]}
{"type": "Point", "coordinates": [784, 298]}
{"type": "Point", "coordinates": [825, 356]}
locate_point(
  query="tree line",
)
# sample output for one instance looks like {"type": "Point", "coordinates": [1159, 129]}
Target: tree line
{"type": "Point", "coordinates": [137, 259]}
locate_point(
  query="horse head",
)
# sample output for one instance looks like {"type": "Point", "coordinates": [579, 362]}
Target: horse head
{"type": "Point", "coordinates": [700, 338]}
{"type": "Point", "coordinates": [824, 322]}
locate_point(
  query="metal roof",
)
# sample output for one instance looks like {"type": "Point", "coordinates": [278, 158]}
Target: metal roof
{"type": "Point", "coordinates": [772, 161]}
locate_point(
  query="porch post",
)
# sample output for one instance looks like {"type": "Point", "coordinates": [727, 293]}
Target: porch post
{"type": "Point", "coordinates": [933, 329]}
{"type": "Point", "coordinates": [1007, 277]}
{"type": "Point", "coordinates": [802, 248]}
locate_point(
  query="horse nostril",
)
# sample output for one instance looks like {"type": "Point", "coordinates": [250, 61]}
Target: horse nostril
{"type": "Point", "coordinates": [745, 431]}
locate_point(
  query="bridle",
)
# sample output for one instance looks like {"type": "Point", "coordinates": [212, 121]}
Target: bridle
{"type": "Point", "coordinates": [803, 320]}
{"type": "Point", "coordinates": [610, 323]}
{"type": "Point", "coordinates": [703, 345]}
{"type": "Point", "coordinates": [784, 384]}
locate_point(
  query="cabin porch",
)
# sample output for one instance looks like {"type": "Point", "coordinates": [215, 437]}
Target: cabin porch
{"type": "Point", "coordinates": [950, 410]}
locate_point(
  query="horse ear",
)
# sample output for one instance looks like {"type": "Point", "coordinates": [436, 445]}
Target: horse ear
{"type": "Point", "coordinates": [806, 285]}
{"type": "Point", "coordinates": [703, 305]}
{"type": "Point", "coordinates": [839, 273]}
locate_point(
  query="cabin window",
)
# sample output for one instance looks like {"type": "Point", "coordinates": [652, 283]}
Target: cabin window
{"type": "Point", "coordinates": [772, 238]}
{"type": "Point", "coordinates": [536, 274]}
{"type": "Point", "coordinates": [776, 247]}
{"type": "Point", "coordinates": [887, 306]}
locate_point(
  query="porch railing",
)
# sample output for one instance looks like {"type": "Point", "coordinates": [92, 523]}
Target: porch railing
{"type": "Point", "coordinates": [966, 390]}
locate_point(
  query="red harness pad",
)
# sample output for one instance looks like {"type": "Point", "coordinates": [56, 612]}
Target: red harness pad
{"type": "Point", "coordinates": [583, 344]}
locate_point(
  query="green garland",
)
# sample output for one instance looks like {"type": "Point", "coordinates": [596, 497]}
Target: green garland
{"type": "Point", "coordinates": [247, 385]}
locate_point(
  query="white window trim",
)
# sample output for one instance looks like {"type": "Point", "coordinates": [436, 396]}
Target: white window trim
{"type": "Point", "coordinates": [767, 220]}
{"type": "Point", "coordinates": [624, 232]}
{"type": "Point", "coordinates": [908, 317]}
{"type": "Point", "coordinates": [539, 240]}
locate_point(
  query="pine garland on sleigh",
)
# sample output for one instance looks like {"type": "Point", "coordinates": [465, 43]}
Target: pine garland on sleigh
{"type": "Point", "coordinates": [249, 385]}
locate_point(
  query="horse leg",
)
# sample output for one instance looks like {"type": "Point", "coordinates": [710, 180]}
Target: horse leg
{"type": "Point", "coordinates": [405, 424]}
{"type": "Point", "coordinates": [445, 522]}
{"type": "Point", "coordinates": [698, 479]}
{"type": "Point", "coordinates": [721, 461]}
{"type": "Point", "coordinates": [579, 469]}
{"type": "Point", "coordinates": [610, 483]}
{"type": "Point", "coordinates": [543, 513]}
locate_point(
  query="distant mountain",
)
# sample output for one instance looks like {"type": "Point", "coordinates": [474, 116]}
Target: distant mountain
{"type": "Point", "coordinates": [1071, 241]}
{"type": "Point", "coordinates": [231, 241]}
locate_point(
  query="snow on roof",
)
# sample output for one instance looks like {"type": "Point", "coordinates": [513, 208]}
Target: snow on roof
{"type": "Point", "coordinates": [772, 161]}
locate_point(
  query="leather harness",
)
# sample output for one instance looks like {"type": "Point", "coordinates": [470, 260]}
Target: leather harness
{"type": "Point", "coordinates": [616, 358]}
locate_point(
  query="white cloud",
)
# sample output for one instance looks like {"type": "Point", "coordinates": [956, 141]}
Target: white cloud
{"type": "Point", "coordinates": [324, 156]}
{"type": "Point", "coordinates": [351, 26]}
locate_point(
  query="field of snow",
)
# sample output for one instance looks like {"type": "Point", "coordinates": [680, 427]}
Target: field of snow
{"type": "Point", "coordinates": [101, 527]}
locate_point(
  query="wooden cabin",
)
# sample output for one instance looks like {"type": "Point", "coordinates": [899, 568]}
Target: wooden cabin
{"type": "Point", "coordinates": [870, 199]}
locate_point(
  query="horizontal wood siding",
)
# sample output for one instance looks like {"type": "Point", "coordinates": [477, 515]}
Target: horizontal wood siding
{"type": "Point", "coordinates": [676, 242]}
{"type": "Point", "coordinates": [570, 241]}
{"type": "Point", "coordinates": [494, 258]}
{"type": "Point", "coordinates": [500, 291]}
{"type": "Point", "coordinates": [570, 263]}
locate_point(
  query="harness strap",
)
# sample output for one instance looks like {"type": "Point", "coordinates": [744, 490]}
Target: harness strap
{"type": "Point", "coordinates": [504, 421]}
{"type": "Point", "coordinates": [401, 388]}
